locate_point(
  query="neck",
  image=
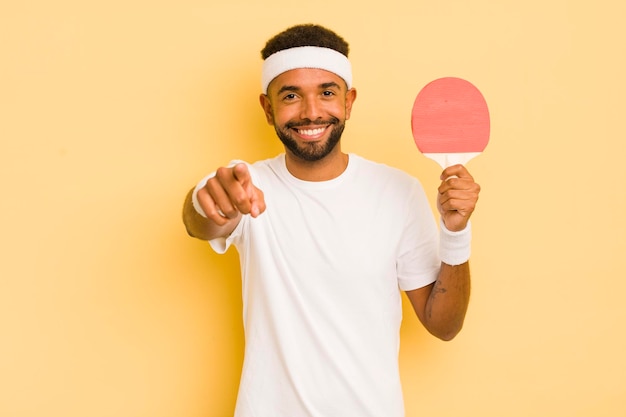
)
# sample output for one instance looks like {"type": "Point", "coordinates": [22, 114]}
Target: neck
{"type": "Point", "coordinates": [327, 168]}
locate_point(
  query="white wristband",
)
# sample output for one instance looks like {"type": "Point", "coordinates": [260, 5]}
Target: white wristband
{"type": "Point", "coordinates": [194, 194]}
{"type": "Point", "coordinates": [455, 247]}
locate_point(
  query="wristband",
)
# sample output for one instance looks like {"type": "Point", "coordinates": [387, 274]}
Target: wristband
{"type": "Point", "coordinates": [455, 247]}
{"type": "Point", "coordinates": [194, 194]}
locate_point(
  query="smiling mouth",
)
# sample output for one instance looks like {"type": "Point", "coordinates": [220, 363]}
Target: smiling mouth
{"type": "Point", "coordinates": [310, 130]}
{"type": "Point", "coordinates": [311, 133]}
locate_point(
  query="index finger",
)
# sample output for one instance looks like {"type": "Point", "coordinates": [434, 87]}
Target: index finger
{"type": "Point", "coordinates": [242, 174]}
{"type": "Point", "coordinates": [456, 171]}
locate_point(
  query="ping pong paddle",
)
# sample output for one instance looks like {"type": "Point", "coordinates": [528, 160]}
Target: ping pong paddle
{"type": "Point", "coordinates": [450, 121]}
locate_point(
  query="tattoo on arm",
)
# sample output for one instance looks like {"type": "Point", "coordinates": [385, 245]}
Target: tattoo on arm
{"type": "Point", "coordinates": [437, 289]}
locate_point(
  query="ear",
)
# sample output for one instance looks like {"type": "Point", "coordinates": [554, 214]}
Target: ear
{"type": "Point", "coordinates": [350, 97]}
{"type": "Point", "coordinates": [267, 108]}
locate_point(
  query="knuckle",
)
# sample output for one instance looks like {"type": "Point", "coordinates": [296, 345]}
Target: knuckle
{"type": "Point", "coordinates": [219, 220]}
{"type": "Point", "coordinates": [223, 173]}
{"type": "Point", "coordinates": [213, 190]}
{"type": "Point", "coordinates": [231, 213]}
{"type": "Point", "coordinates": [240, 200]}
{"type": "Point", "coordinates": [213, 214]}
{"type": "Point", "coordinates": [221, 216]}
{"type": "Point", "coordinates": [203, 193]}
{"type": "Point", "coordinates": [212, 183]}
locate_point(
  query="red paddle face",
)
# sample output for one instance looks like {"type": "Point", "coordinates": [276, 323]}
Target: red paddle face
{"type": "Point", "coordinates": [450, 121]}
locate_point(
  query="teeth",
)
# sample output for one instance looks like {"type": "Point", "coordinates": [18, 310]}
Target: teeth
{"type": "Point", "coordinates": [311, 132]}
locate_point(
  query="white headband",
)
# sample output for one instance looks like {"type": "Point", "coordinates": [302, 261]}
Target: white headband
{"type": "Point", "coordinates": [306, 57]}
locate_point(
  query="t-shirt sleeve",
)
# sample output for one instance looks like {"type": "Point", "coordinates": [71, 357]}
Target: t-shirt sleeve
{"type": "Point", "coordinates": [221, 244]}
{"type": "Point", "coordinates": [418, 261]}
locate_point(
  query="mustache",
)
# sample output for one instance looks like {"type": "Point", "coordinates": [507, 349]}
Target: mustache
{"type": "Point", "coordinates": [309, 122]}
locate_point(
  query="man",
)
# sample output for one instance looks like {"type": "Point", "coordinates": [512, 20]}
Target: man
{"type": "Point", "coordinates": [327, 240]}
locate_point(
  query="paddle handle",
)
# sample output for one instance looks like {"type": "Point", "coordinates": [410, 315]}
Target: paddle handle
{"type": "Point", "coordinates": [448, 159]}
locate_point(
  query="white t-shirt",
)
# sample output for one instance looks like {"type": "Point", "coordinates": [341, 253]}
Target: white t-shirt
{"type": "Point", "coordinates": [322, 270]}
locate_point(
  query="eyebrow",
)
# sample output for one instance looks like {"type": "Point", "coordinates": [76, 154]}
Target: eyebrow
{"type": "Point", "coordinates": [296, 88]}
{"type": "Point", "coordinates": [330, 84]}
{"type": "Point", "coordinates": [288, 88]}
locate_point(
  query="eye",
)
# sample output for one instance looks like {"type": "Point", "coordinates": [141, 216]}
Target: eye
{"type": "Point", "coordinates": [328, 93]}
{"type": "Point", "coordinates": [290, 97]}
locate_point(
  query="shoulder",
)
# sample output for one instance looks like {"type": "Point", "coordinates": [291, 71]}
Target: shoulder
{"type": "Point", "coordinates": [266, 169]}
{"type": "Point", "coordinates": [380, 173]}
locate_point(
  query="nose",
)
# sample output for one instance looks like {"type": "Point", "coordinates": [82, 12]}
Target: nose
{"type": "Point", "coordinates": [311, 109]}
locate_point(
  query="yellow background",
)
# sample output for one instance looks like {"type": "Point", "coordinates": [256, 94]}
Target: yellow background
{"type": "Point", "coordinates": [111, 111]}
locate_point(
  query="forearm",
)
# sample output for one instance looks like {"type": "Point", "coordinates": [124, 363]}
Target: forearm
{"type": "Point", "coordinates": [445, 308]}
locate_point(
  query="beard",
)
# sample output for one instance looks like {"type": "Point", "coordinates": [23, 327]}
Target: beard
{"type": "Point", "coordinates": [311, 152]}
